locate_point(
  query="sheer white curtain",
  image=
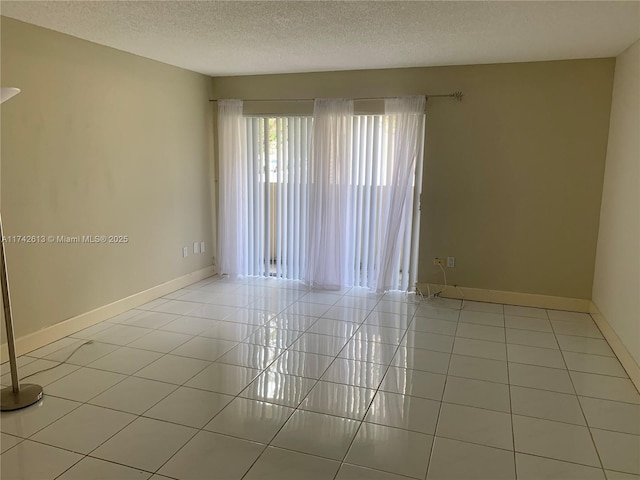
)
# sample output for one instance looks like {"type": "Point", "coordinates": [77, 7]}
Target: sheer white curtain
{"type": "Point", "coordinates": [330, 249]}
{"type": "Point", "coordinates": [232, 186]}
{"type": "Point", "coordinates": [406, 116]}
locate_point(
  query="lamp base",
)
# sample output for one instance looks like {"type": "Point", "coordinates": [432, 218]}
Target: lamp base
{"type": "Point", "coordinates": [28, 395]}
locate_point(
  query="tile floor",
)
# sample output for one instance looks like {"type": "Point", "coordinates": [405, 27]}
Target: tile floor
{"type": "Point", "coordinates": [265, 379]}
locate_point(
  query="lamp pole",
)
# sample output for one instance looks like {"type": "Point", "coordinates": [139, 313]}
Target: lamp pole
{"type": "Point", "coordinates": [16, 396]}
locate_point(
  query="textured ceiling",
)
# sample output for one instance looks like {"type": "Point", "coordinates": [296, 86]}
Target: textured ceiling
{"type": "Point", "coordinates": [246, 37]}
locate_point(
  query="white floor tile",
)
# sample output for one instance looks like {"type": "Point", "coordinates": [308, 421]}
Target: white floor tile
{"type": "Point", "coordinates": [125, 316]}
{"type": "Point", "coordinates": [173, 369]}
{"type": "Point", "coordinates": [273, 337]}
{"type": "Point", "coordinates": [339, 400]}
{"type": "Point", "coordinates": [8, 441]}
{"type": "Point", "coordinates": [84, 384]}
{"type": "Point", "coordinates": [207, 452]}
{"type": "Point", "coordinates": [279, 464]}
{"type": "Point", "coordinates": [480, 348]}
{"type": "Point", "coordinates": [233, 332]}
{"type": "Point", "coordinates": [602, 386]}
{"type": "Point", "coordinates": [31, 460]}
{"type": "Point", "coordinates": [391, 450]}
{"type": "Point", "coordinates": [331, 438]}
{"type": "Point", "coordinates": [483, 307]}
{"type": "Point", "coordinates": [609, 415]}
{"type": "Point", "coordinates": [320, 344]}
{"type": "Point", "coordinates": [86, 354]}
{"type": "Point", "coordinates": [557, 440]}
{"type": "Point", "coordinates": [391, 320]}
{"type": "Point", "coordinates": [594, 346]}
{"type": "Point", "coordinates": [346, 314]}
{"type": "Point", "coordinates": [438, 313]}
{"type": "Point", "coordinates": [532, 339]}
{"type": "Point", "coordinates": [63, 343]}
{"type": "Point", "coordinates": [402, 411]}
{"type": "Point", "coordinates": [125, 360]}
{"type": "Point", "coordinates": [146, 444]}
{"type": "Point", "coordinates": [583, 362]}
{"type": "Point", "coordinates": [289, 321]}
{"type": "Point", "coordinates": [428, 341]}
{"type": "Point", "coordinates": [84, 429]}
{"type": "Point", "coordinates": [528, 323]}
{"type": "Point", "coordinates": [432, 325]}
{"type": "Point", "coordinates": [479, 368]}
{"type": "Point", "coordinates": [133, 395]}
{"type": "Point", "coordinates": [455, 460]}
{"type": "Point", "coordinates": [120, 334]}
{"type": "Point", "coordinates": [301, 364]}
{"type": "Point", "coordinates": [204, 348]}
{"type": "Point", "coordinates": [176, 306]}
{"type": "Point", "coordinates": [369, 352]}
{"type": "Point", "coordinates": [94, 469]}
{"type": "Point", "coordinates": [415, 383]}
{"type": "Point", "coordinates": [482, 318]}
{"type": "Point", "coordinates": [189, 407]}
{"type": "Point", "coordinates": [543, 357]}
{"type": "Point", "coordinates": [161, 341]}
{"type": "Point", "coordinates": [89, 332]}
{"type": "Point", "coordinates": [352, 372]}
{"type": "Point", "coordinates": [477, 393]}
{"type": "Point", "coordinates": [27, 421]}
{"type": "Point", "coordinates": [530, 467]}
{"type": "Point", "coordinates": [151, 320]}
{"type": "Point", "coordinates": [379, 334]}
{"type": "Point", "coordinates": [353, 472]}
{"type": "Point", "coordinates": [278, 388]}
{"type": "Point", "coordinates": [475, 425]}
{"type": "Point", "coordinates": [567, 316]}
{"type": "Point", "coordinates": [579, 329]}
{"type": "Point", "coordinates": [250, 419]}
{"type": "Point", "coordinates": [41, 372]}
{"type": "Point", "coordinates": [543, 378]}
{"type": "Point", "coordinates": [613, 475]}
{"type": "Point", "coordinates": [480, 332]}
{"type": "Point", "coordinates": [223, 378]}
{"type": "Point", "coordinates": [249, 355]}
{"type": "Point", "coordinates": [188, 325]}
{"type": "Point", "coordinates": [525, 311]}
{"type": "Point", "coordinates": [308, 309]}
{"type": "Point", "coordinates": [561, 407]}
{"type": "Point", "coordinates": [418, 359]}
{"type": "Point", "coordinates": [618, 451]}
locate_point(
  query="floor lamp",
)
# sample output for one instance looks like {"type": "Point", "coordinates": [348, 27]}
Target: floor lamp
{"type": "Point", "coordinates": [16, 396]}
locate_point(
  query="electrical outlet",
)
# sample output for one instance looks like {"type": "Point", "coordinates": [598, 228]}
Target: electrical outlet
{"type": "Point", "coordinates": [439, 261]}
{"type": "Point", "coordinates": [196, 247]}
{"type": "Point", "coordinates": [201, 247]}
{"type": "Point", "coordinates": [185, 252]}
{"type": "Point", "coordinates": [451, 262]}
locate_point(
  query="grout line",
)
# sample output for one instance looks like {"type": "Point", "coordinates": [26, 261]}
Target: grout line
{"type": "Point", "coordinates": [444, 388]}
{"type": "Point", "coordinates": [584, 416]}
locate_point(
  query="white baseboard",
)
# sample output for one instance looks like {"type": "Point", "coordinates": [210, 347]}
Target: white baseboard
{"type": "Point", "coordinates": [513, 298]}
{"type": "Point", "coordinates": [60, 330]}
{"type": "Point", "coordinates": [626, 359]}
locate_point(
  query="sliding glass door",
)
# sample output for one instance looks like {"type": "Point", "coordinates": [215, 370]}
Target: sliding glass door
{"type": "Point", "coordinates": [278, 183]}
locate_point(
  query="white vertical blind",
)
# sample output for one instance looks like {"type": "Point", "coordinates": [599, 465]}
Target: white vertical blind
{"type": "Point", "coordinates": [277, 187]}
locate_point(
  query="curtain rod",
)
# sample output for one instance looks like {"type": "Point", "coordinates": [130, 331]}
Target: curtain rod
{"type": "Point", "coordinates": [457, 95]}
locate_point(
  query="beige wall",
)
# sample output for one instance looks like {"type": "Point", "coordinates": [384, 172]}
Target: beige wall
{"type": "Point", "coordinates": [99, 142]}
{"type": "Point", "coordinates": [616, 286]}
{"type": "Point", "coordinates": [513, 174]}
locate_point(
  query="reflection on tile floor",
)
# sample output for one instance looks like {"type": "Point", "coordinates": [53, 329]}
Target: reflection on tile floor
{"type": "Point", "coordinates": [267, 379]}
